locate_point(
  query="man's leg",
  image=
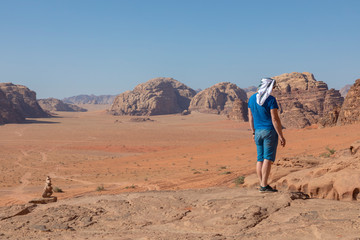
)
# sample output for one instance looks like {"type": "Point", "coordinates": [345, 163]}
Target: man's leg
{"type": "Point", "coordinates": [265, 172]}
{"type": "Point", "coordinates": [259, 166]}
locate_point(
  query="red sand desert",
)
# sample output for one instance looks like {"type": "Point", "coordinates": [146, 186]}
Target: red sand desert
{"type": "Point", "coordinates": [84, 151]}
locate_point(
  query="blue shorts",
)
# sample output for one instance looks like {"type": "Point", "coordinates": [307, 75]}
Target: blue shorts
{"type": "Point", "coordinates": [266, 143]}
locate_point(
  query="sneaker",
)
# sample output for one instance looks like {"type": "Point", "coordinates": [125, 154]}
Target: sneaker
{"type": "Point", "coordinates": [267, 189]}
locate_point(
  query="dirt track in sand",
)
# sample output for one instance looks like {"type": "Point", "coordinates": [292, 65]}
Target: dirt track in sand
{"type": "Point", "coordinates": [82, 151]}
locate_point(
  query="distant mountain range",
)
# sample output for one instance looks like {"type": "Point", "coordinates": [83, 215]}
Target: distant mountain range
{"type": "Point", "coordinates": [90, 99]}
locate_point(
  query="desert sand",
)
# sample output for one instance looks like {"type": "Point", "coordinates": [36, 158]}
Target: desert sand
{"type": "Point", "coordinates": [170, 177]}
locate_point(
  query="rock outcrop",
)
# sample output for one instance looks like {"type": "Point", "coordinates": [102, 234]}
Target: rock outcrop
{"type": "Point", "coordinates": [155, 97]}
{"type": "Point", "coordinates": [350, 110]}
{"type": "Point", "coordinates": [218, 99]}
{"type": "Point", "coordinates": [8, 113]}
{"type": "Point", "coordinates": [250, 91]}
{"type": "Point", "coordinates": [333, 175]}
{"type": "Point", "coordinates": [90, 99]}
{"type": "Point", "coordinates": [17, 102]}
{"type": "Point", "coordinates": [344, 90]}
{"type": "Point", "coordinates": [23, 100]}
{"type": "Point", "coordinates": [52, 104]}
{"type": "Point", "coordinates": [239, 111]}
{"type": "Point", "coordinates": [304, 101]}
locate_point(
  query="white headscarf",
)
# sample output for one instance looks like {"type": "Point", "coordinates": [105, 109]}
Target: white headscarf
{"type": "Point", "coordinates": [267, 85]}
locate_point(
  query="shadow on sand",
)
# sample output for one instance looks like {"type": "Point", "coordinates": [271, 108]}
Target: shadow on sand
{"type": "Point", "coordinates": [33, 121]}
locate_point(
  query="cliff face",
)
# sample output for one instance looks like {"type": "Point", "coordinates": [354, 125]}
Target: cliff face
{"type": "Point", "coordinates": [155, 97]}
{"type": "Point", "coordinates": [350, 111]}
{"type": "Point", "coordinates": [239, 111]}
{"type": "Point", "coordinates": [304, 101]}
{"type": "Point", "coordinates": [23, 100]}
{"type": "Point", "coordinates": [18, 102]}
{"type": "Point", "coordinates": [218, 99]}
{"type": "Point", "coordinates": [8, 113]}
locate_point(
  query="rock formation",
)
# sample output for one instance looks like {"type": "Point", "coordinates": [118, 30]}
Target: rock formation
{"type": "Point", "coordinates": [155, 97]}
{"type": "Point", "coordinates": [344, 90]}
{"type": "Point", "coordinates": [250, 91]}
{"type": "Point", "coordinates": [350, 110]}
{"type": "Point", "coordinates": [48, 190]}
{"type": "Point", "coordinates": [23, 100]}
{"type": "Point", "coordinates": [304, 101]}
{"type": "Point", "coordinates": [90, 99]}
{"type": "Point", "coordinates": [218, 99]}
{"type": "Point", "coordinates": [17, 102]}
{"type": "Point", "coordinates": [46, 195]}
{"type": "Point", "coordinates": [239, 111]}
{"type": "Point", "coordinates": [52, 104]}
{"type": "Point", "coordinates": [8, 113]}
{"type": "Point", "coordinates": [333, 175]}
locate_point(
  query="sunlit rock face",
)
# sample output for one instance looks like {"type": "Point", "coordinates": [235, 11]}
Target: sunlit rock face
{"type": "Point", "coordinates": [155, 97]}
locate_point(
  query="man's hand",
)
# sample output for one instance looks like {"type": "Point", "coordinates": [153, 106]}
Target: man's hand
{"type": "Point", "coordinates": [282, 141]}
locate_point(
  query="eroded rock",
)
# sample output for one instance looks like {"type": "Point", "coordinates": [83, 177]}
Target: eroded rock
{"type": "Point", "coordinates": [53, 104]}
{"type": "Point", "coordinates": [218, 99]}
{"type": "Point", "coordinates": [155, 97]}
{"type": "Point", "coordinates": [350, 110]}
{"type": "Point", "coordinates": [303, 101]}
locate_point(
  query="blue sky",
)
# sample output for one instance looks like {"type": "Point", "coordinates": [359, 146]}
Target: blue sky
{"type": "Point", "coordinates": [70, 47]}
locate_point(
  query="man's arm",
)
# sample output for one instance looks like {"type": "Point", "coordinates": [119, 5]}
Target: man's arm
{"type": "Point", "coordinates": [277, 125]}
{"type": "Point", "coordinates": [251, 121]}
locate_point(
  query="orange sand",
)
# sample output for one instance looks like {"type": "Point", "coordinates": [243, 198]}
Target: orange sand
{"type": "Point", "coordinates": [82, 151]}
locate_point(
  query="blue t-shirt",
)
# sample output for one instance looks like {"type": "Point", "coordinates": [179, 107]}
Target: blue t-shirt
{"type": "Point", "coordinates": [261, 114]}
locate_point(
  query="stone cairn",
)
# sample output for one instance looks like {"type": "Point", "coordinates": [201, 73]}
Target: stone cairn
{"type": "Point", "coordinates": [46, 196]}
{"type": "Point", "coordinates": [48, 190]}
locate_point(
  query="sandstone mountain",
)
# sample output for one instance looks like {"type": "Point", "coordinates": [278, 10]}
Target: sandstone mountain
{"type": "Point", "coordinates": [52, 104]}
{"type": "Point", "coordinates": [250, 91]}
{"type": "Point", "coordinates": [350, 111]}
{"type": "Point", "coordinates": [23, 99]}
{"type": "Point", "coordinates": [344, 90]}
{"type": "Point", "coordinates": [239, 111]}
{"type": "Point", "coordinates": [304, 101]}
{"type": "Point", "coordinates": [218, 99]}
{"type": "Point", "coordinates": [19, 102]}
{"type": "Point", "coordinates": [90, 99]}
{"type": "Point", "coordinates": [155, 97]}
{"type": "Point", "coordinates": [8, 112]}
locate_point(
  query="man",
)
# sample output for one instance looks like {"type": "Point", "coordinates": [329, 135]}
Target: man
{"type": "Point", "coordinates": [266, 127]}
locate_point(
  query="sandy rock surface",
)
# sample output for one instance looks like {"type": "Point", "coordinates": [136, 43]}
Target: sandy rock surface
{"type": "Point", "coordinates": [215, 213]}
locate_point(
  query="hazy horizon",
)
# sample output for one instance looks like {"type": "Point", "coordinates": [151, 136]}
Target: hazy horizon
{"type": "Point", "coordinates": [66, 48]}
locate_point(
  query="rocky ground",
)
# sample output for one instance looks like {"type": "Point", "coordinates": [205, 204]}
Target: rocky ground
{"type": "Point", "coordinates": [213, 213]}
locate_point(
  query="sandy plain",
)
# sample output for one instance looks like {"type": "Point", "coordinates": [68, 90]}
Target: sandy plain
{"type": "Point", "coordinates": [82, 151]}
{"type": "Point", "coordinates": [190, 155]}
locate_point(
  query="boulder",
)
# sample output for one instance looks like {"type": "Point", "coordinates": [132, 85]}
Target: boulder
{"type": "Point", "coordinates": [23, 100]}
{"type": "Point", "coordinates": [304, 101]}
{"type": "Point", "coordinates": [350, 110]}
{"type": "Point", "coordinates": [218, 99]}
{"type": "Point", "coordinates": [155, 97]}
{"type": "Point", "coordinates": [53, 104]}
